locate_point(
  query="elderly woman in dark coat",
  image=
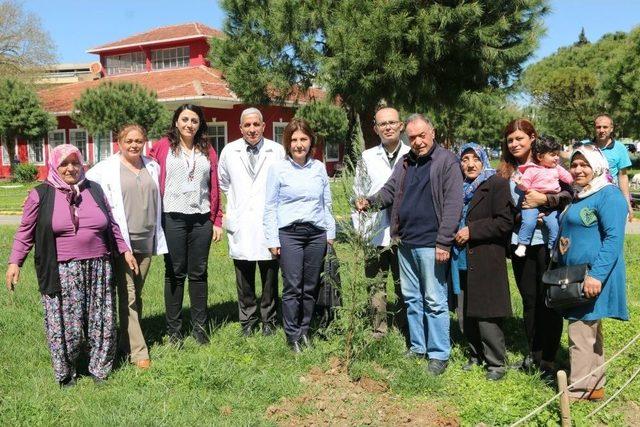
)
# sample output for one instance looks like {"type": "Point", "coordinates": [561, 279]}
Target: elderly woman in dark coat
{"type": "Point", "coordinates": [480, 260]}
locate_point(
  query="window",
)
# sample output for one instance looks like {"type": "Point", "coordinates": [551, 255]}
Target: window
{"type": "Point", "coordinates": [217, 135]}
{"type": "Point", "coordinates": [36, 151]}
{"type": "Point", "coordinates": [170, 58]}
{"type": "Point", "coordinates": [331, 152]}
{"type": "Point", "coordinates": [126, 63]}
{"type": "Point", "coordinates": [102, 146]}
{"type": "Point", "coordinates": [278, 131]}
{"type": "Point", "coordinates": [56, 137]}
{"type": "Point", "coordinates": [6, 160]}
{"type": "Point", "coordinates": [78, 137]}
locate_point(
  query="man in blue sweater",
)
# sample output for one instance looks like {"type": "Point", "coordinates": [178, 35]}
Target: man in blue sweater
{"type": "Point", "coordinates": [425, 195]}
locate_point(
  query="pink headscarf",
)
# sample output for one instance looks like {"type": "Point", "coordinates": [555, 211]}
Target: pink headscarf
{"type": "Point", "coordinates": [56, 157]}
{"type": "Point", "coordinates": [72, 192]}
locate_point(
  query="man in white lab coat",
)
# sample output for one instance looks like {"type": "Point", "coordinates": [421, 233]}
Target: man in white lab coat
{"type": "Point", "coordinates": [242, 171]}
{"type": "Point", "coordinates": [372, 173]}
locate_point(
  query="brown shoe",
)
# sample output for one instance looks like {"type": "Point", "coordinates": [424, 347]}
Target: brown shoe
{"type": "Point", "coordinates": [143, 364]}
{"type": "Point", "coordinates": [593, 396]}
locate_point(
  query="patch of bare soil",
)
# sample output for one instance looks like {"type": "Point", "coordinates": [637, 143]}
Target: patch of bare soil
{"type": "Point", "coordinates": [632, 414]}
{"type": "Point", "coordinates": [331, 397]}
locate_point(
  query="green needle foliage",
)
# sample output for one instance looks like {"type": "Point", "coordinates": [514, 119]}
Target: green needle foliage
{"type": "Point", "coordinates": [110, 106]}
{"type": "Point", "coordinates": [413, 54]}
{"type": "Point", "coordinates": [21, 114]}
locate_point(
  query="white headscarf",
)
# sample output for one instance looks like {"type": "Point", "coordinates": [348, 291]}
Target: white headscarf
{"type": "Point", "coordinates": [599, 165]}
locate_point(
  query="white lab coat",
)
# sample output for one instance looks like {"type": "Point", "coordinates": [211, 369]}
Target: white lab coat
{"type": "Point", "coordinates": [372, 173]}
{"type": "Point", "coordinates": [246, 197]}
{"type": "Point", "coordinates": [107, 174]}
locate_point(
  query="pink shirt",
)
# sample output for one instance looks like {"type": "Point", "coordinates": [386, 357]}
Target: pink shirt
{"type": "Point", "coordinates": [540, 178]}
{"type": "Point", "coordinates": [88, 242]}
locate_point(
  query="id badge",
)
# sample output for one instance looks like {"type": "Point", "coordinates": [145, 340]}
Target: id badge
{"type": "Point", "coordinates": [188, 187]}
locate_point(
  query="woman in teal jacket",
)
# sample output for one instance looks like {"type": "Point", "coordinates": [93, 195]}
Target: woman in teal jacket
{"type": "Point", "coordinates": [592, 232]}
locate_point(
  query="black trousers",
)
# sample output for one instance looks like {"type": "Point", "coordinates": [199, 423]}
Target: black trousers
{"type": "Point", "coordinates": [188, 239]}
{"type": "Point", "coordinates": [543, 325]}
{"type": "Point", "coordinates": [302, 251]}
{"type": "Point", "coordinates": [246, 287]}
{"type": "Point", "coordinates": [484, 335]}
{"type": "Point", "coordinates": [386, 262]}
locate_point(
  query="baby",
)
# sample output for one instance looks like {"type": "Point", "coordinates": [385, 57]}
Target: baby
{"type": "Point", "coordinates": [543, 174]}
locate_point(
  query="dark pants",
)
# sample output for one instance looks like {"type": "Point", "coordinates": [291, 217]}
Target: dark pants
{"type": "Point", "coordinates": [188, 239]}
{"type": "Point", "coordinates": [543, 325]}
{"type": "Point", "coordinates": [386, 262]}
{"type": "Point", "coordinates": [484, 335]}
{"type": "Point", "coordinates": [302, 250]}
{"type": "Point", "coordinates": [246, 286]}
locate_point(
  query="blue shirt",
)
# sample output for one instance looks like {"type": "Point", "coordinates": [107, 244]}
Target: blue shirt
{"type": "Point", "coordinates": [617, 157]}
{"type": "Point", "coordinates": [592, 232]}
{"type": "Point", "coordinates": [297, 194]}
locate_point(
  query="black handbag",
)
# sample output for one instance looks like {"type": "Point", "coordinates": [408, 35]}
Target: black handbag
{"type": "Point", "coordinates": [564, 286]}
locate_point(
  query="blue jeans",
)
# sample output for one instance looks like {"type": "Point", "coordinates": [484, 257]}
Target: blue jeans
{"type": "Point", "coordinates": [424, 288]}
{"type": "Point", "coordinates": [529, 222]}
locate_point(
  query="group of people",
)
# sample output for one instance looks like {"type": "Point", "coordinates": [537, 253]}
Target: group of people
{"type": "Point", "coordinates": [450, 222]}
{"type": "Point", "coordinates": [96, 232]}
{"type": "Point", "coordinates": [443, 225]}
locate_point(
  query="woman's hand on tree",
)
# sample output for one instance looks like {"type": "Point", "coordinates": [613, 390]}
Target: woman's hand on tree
{"type": "Point", "coordinates": [12, 276]}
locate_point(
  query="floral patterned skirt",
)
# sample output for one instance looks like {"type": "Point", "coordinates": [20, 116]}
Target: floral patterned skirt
{"type": "Point", "coordinates": [82, 312]}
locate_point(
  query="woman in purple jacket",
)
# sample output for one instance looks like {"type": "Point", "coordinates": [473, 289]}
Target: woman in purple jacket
{"type": "Point", "coordinates": [75, 236]}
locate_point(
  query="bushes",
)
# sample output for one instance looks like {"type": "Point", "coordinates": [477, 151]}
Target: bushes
{"type": "Point", "coordinates": [25, 172]}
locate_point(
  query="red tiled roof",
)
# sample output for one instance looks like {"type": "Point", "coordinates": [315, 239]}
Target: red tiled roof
{"type": "Point", "coordinates": [161, 34]}
{"type": "Point", "coordinates": [193, 82]}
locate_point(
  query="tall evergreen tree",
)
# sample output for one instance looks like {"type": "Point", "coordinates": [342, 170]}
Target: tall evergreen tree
{"type": "Point", "coordinates": [21, 114]}
{"type": "Point", "coordinates": [413, 54]}
{"type": "Point", "coordinates": [110, 106]}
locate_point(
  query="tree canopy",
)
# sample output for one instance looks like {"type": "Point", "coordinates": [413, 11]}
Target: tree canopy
{"type": "Point", "coordinates": [21, 113]}
{"type": "Point", "coordinates": [329, 121]}
{"type": "Point", "coordinates": [414, 55]}
{"type": "Point", "coordinates": [110, 106]}
{"type": "Point", "coordinates": [24, 45]}
{"type": "Point", "coordinates": [580, 81]}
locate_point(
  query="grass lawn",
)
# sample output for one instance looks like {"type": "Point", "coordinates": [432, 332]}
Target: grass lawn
{"type": "Point", "coordinates": [237, 381]}
{"type": "Point", "coordinates": [12, 195]}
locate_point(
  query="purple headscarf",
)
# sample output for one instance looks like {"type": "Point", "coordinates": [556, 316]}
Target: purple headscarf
{"type": "Point", "coordinates": [72, 192]}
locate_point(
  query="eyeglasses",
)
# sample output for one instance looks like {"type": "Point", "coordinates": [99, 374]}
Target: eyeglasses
{"type": "Point", "coordinates": [392, 123]}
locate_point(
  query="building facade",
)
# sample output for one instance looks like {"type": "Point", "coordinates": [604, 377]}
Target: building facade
{"type": "Point", "coordinates": [171, 61]}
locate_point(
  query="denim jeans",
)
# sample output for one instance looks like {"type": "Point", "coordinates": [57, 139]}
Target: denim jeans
{"type": "Point", "coordinates": [424, 288]}
{"type": "Point", "coordinates": [530, 221]}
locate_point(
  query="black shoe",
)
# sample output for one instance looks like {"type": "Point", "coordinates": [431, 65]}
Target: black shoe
{"type": "Point", "coordinates": [305, 341]}
{"type": "Point", "coordinates": [548, 375]}
{"type": "Point", "coordinates": [201, 337]}
{"type": "Point", "coordinates": [471, 363]}
{"type": "Point", "coordinates": [413, 355]}
{"type": "Point", "coordinates": [268, 329]}
{"type": "Point", "coordinates": [247, 330]}
{"type": "Point", "coordinates": [495, 375]}
{"type": "Point", "coordinates": [437, 367]}
{"type": "Point", "coordinates": [296, 348]}
{"type": "Point", "coordinates": [68, 382]}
